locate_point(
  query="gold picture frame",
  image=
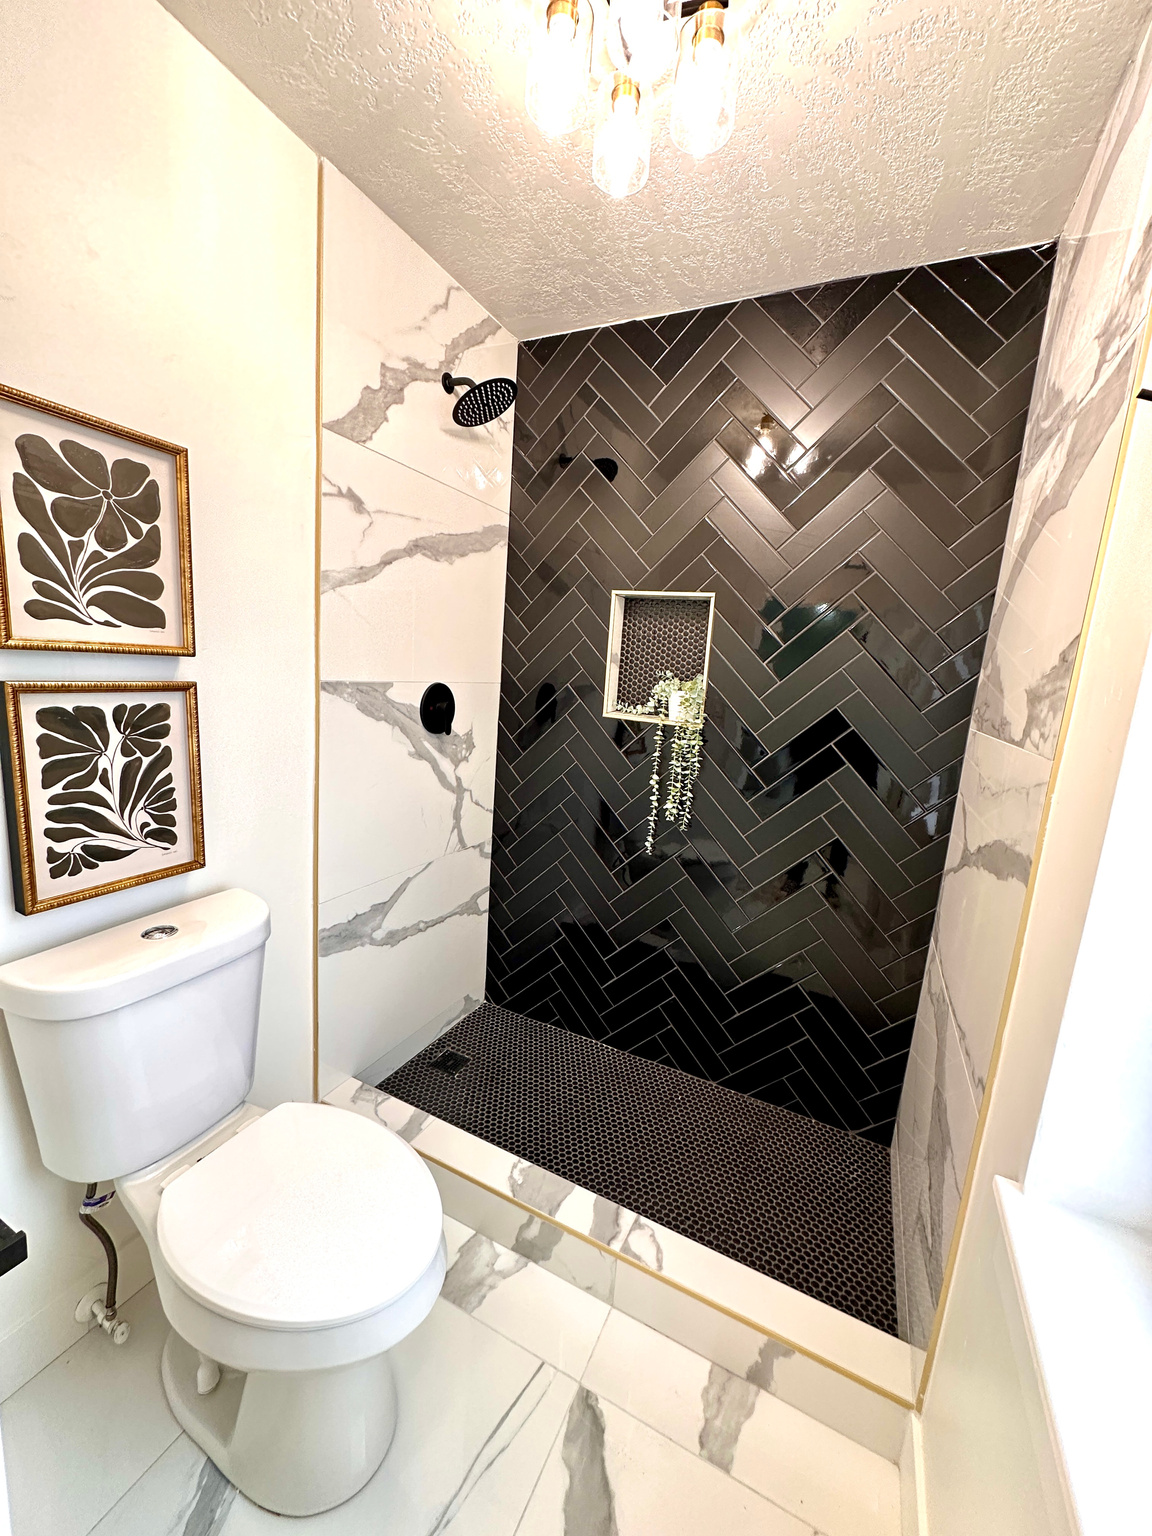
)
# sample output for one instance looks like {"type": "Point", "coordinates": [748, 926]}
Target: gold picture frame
{"type": "Point", "coordinates": [119, 786]}
{"type": "Point", "coordinates": [131, 576]}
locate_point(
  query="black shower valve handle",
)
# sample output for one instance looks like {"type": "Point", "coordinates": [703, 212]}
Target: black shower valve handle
{"type": "Point", "coordinates": [437, 709]}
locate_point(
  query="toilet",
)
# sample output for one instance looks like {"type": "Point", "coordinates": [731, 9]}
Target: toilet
{"type": "Point", "coordinates": [292, 1247]}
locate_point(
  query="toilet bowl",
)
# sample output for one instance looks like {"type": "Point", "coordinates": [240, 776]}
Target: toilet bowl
{"type": "Point", "coordinates": [292, 1247]}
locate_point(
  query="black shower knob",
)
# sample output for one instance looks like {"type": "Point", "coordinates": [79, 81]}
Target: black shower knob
{"type": "Point", "coordinates": [437, 709]}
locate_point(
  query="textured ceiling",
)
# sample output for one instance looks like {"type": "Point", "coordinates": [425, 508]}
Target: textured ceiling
{"type": "Point", "coordinates": [871, 134]}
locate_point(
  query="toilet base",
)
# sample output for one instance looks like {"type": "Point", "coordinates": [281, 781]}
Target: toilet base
{"type": "Point", "coordinates": [294, 1442]}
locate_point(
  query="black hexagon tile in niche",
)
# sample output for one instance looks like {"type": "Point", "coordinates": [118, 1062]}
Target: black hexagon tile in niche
{"type": "Point", "coordinates": [806, 1203]}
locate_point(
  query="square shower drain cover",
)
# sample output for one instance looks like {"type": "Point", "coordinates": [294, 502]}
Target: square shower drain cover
{"type": "Point", "coordinates": [450, 1063]}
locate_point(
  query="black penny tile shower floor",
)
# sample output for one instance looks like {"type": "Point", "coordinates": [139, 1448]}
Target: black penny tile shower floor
{"type": "Point", "coordinates": [806, 1203]}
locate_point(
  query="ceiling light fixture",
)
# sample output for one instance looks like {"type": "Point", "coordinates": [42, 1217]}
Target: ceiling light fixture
{"type": "Point", "coordinates": [556, 94]}
{"type": "Point", "coordinates": [623, 53]}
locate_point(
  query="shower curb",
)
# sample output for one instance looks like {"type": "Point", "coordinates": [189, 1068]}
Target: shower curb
{"type": "Point", "coordinates": [843, 1372]}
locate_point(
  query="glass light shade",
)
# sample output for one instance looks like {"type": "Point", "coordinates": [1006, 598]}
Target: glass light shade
{"type": "Point", "coordinates": [622, 145]}
{"type": "Point", "coordinates": [556, 91]}
{"type": "Point", "coordinates": [641, 37]}
{"type": "Point", "coordinates": [704, 95]}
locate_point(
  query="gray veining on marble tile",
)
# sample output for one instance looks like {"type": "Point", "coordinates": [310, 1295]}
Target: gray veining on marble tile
{"type": "Point", "coordinates": [589, 1503]}
{"type": "Point", "coordinates": [537, 1240]}
{"type": "Point", "coordinates": [510, 1424]}
{"type": "Point", "coordinates": [476, 1272]}
{"type": "Point", "coordinates": [370, 412]}
{"type": "Point", "coordinates": [643, 1245]}
{"type": "Point", "coordinates": [762, 1371]}
{"type": "Point", "coordinates": [1066, 472]}
{"type": "Point", "coordinates": [444, 755]}
{"type": "Point", "coordinates": [998, 857]}
{"type": "Point", "coordinates": [212, 1500]}
{"type": "Point", "coordinates": [608, 1220]}
{"type": "Point", "coordinates": [367, 929]}
{"type": "Point", "coordinates": [934, 1137]}
{"type": "Point", "coordinates": [986, 872]}
{"type": "Point", "coordinates": [445, 548]}
{"type": "Point", "coordinates": [1096, 312]}
{"type": "Point", "coordinates": [538, 1188]}
{"type": "Point", "coordinates": [413, 1122]}
{"type": "Point", "coordinates": [728, 1403]}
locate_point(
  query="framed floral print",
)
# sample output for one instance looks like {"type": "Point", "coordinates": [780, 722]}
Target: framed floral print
{"type": "Point", "coordinates": [101, 788]}
{"type": "Point", "coordinates": [95, 542]}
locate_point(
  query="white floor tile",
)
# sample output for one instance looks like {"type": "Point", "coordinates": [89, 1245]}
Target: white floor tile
{"type": "Point", "coordinates": [181, 1494]}
{"type": "Point", "coordinates": [651, 1377]}
{"type": "Point", "coordinates": [81, 1432]}
{"type": "Point", "coordinates": [495, 1437]}
{"type": "Point", "coordinates": [825, 1478]}
{"type": "Point", "coordinates": [477, 1415]}
{"type": "Point", "coordinates": [609, 1473]}
{"type": "Point", "coordinates": [555, 1320]}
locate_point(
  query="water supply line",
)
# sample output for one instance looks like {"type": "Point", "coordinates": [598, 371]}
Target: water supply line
{"type": "Point", "coordinates": [92, 1307]}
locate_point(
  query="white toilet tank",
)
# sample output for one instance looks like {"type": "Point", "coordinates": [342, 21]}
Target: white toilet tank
{"type": "Point", "coordinates": [135, 1040]}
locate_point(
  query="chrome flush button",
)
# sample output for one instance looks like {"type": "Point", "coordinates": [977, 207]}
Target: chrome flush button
{"type": "Point", "coordinates": [160, 931]}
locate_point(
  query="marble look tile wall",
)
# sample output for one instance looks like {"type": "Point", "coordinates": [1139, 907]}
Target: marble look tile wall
{"type": "Point", "coordinates": [414, 536]}
{"type": "Point", "coordinates": [1086, 375]}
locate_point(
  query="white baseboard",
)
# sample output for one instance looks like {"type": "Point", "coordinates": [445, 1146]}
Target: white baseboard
{"type": "Point", "coordinates": [38, 1340]}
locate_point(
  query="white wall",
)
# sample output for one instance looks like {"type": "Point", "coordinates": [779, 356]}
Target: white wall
{"type": "Point", "coordinates": [157, 268]}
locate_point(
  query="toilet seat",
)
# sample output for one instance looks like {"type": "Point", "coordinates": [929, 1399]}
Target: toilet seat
{"type": "Point", "coordinates": [308, 1218]}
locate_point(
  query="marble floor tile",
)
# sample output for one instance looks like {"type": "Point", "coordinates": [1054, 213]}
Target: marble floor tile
{"type": "Point", "coordinates": [181, 1494]}
{"type": "Point", "coordinates": [470, 1197]}
{"type": "Point", "coordinates": [478, 1415]}
{"type": "Point", "coordinates": [527, 1406]}
{"type": "Point", "coordinates": [525, 1303]}
{"type": "Point", "coordinates": [793, 1460]}
{"type": "Point", "coordinates": [656, 1380]}
{"type": "Point", "coordinates": [820, 1476]}
{"type": "Point", "coordinates": [83, 1430]}
{"type": "Point", "coordinates": [608, 1474]}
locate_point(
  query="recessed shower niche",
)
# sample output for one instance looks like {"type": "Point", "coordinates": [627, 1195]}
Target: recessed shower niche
{"type": "Point", "coordinates": [652, 635]}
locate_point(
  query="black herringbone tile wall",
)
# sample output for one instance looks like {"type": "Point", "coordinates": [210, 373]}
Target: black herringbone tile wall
{"type": "Point", "coordinates": [836, 464]}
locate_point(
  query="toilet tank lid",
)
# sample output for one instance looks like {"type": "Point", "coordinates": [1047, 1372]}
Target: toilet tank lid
{"type": "Point", "coordinates": [119, 966]}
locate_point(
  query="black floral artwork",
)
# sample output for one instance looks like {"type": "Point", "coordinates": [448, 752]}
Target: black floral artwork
{"type": "Point", "coordinates": [90, 550]}
{"type": "Point", "coordinates": [114, 795]}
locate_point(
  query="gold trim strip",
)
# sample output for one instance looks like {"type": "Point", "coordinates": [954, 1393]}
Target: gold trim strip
{"type": "Point", "coordinates": [675, 1285]}
{"type": "Point", "coordinates": [316, 632]}
{"type": "Point", "coordinates": [1021, 928]}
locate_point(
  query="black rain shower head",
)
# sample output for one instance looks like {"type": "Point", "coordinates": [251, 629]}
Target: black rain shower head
{"type": "Point", "coordinates": [480, 403]}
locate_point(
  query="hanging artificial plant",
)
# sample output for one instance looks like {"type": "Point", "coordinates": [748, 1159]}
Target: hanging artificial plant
{"type": "Point", "coordinates": [681, 705]}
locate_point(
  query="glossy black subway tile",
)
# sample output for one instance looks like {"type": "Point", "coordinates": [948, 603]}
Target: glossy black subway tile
{"type": "Point", "coordinates": [837, 466]}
